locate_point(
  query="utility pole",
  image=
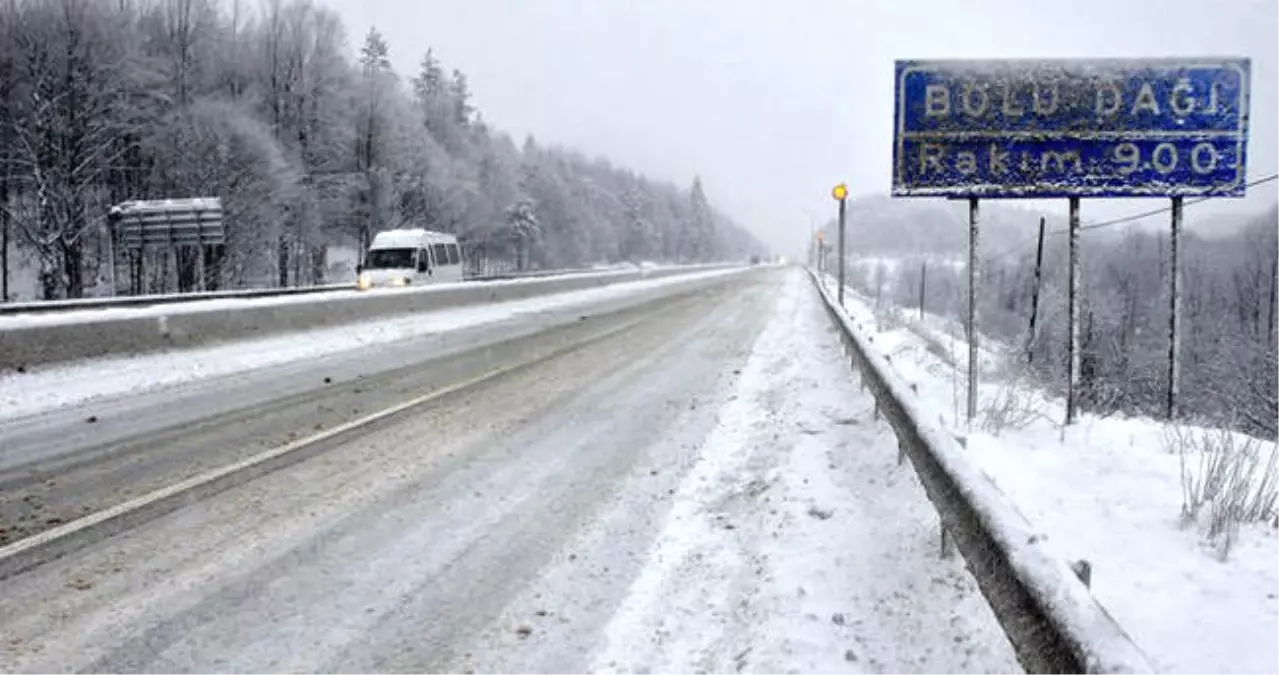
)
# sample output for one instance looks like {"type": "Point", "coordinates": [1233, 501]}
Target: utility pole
{"type": "Point", "coordinates": [1034, 293]}
{"type": "Point", "coordinates": [923, 287]}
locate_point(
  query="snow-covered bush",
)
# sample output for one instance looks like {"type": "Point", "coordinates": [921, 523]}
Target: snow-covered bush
{"type": "Point", "coordinates": [887, 319]}
{"type": "Point", "coordinates": [1014, 404]}
{"type": "Point", "coordinates": [1226, 479]}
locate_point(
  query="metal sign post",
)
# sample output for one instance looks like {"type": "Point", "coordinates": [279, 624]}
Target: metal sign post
{"type": "Point", "coordinates": [972, 308]}
{"type": "Point", "coordinates": [1071, 128]}
{"type": "Point", "coordinates": [1174, 311]}
{"type": "Point", "coordinates": [111, 257]}
{"type": "Point", "coordinates": [1072, 383]}
{"type": "Point", "coordinates": [840, 193]}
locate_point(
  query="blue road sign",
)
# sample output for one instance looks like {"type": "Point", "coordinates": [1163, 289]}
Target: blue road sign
{"type": "Point", "coordinates": [1087, 128]}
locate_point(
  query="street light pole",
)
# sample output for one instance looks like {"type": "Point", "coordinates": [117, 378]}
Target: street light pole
{"type": "Point", "coordinates": [840, 193]}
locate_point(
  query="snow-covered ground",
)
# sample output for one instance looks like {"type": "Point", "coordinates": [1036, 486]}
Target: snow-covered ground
{"type": "Point", "coordinates": [1107, 490]}
{"type": "Point", "coordinates": [796, 543]}
{"type": "Point", "coordinates": [30, 393]}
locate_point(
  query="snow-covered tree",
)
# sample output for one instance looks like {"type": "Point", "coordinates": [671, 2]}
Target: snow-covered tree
{"type": "Point", "coordinates": [257, 103]}
{"type": "Point", "coordinates": [524, 230]}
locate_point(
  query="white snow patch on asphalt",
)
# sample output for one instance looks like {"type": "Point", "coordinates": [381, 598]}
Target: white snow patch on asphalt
{"type": "Point", "coordinates": [45, 389]}
{"type": "Point", "coordinates": [1109, 492]}
{"type": "Point", "coordinates": [796, 543]}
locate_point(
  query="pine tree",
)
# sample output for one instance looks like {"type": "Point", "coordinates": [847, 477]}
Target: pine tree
{"type": "Point", "coordinates": [429, 84]}
{"type": "Point", "coordinates": [462, 110]}
{"type": "Point", "coordinates": [375, 64]}
{"type": "Point", "coordinates": [524, 230]}
{"type": "Point", "coordinates": [701, 224]}
{"type": "Point", "coordinates": [375, 54]}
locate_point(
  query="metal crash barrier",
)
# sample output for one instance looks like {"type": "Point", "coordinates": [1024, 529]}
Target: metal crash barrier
{"type": "Point", "coordinates": [58, 338]}
{"type": "Point", "coordinates": [1052, 620]}
{"type": "Point", "coordinates": [54, 306]}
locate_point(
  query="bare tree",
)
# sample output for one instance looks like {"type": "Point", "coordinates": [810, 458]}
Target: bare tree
{"type": "Point", "coordinates": [8, 89]}
{"type": "Point", "coordinates": [73, 105]}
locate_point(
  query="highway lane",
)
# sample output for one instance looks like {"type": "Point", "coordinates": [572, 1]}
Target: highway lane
{"type": "Point", "coordinates": [399, 548]}
{"type": "Point", "coordinates": [691, 483]}
{"type": "Point", "coordinates": [61, 465]}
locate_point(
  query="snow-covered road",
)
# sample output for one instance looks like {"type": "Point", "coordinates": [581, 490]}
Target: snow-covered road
{"type": "Point", "coordinates": [59, 386]}
{"type": "Point", "coordinates": [703, 491]}
{"type": "Point", "coordinates": [796, 543]}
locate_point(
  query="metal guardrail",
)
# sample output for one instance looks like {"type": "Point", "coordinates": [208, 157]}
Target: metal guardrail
{"type": "Point", "coordinates": [52, 306]}
{"type": "Point", "coordinates": [28, 341]}
{"type": "Point", "coordinates": [1052, 620]}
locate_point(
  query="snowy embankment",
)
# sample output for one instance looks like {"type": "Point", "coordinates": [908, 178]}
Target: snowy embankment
{"type": "Point", "coordinates": [1109, 490]}
{"type": "Point", "coordinates": [796, 543]}
{"type": "Point", "coordinates": [44, 389]}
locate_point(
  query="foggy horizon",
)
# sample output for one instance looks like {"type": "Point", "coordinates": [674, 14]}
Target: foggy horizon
{"type": "Point", "coordinates": [772, 105]}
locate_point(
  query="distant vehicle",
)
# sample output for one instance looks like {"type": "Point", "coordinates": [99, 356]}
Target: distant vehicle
{"type": "Point", "coordinates": [755, 259]}
{"type": "Point", "coordinates": [410, 257]}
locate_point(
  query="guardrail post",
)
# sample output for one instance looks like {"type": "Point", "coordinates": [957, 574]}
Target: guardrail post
{"type": "Point", "coordinates": [945, 541]}
{"type": "Point", "coordinates": [901, 453]}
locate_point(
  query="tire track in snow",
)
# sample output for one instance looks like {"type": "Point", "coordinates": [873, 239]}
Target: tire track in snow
{"type": "Point", "coordinates": [796, 544]}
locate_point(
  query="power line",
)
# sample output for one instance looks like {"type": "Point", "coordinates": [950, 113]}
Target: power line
{"type": "Point", "coordinates": [1147, 214]}
{"type": "Point", "coordinates": [1127, 219]}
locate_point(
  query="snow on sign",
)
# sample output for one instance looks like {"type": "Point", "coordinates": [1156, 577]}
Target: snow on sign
{"type": "Point", "coordinates": [1081, 128]}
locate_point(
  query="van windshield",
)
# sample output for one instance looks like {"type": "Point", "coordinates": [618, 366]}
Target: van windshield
{"type": "Point", "coordinates": [390, 258]}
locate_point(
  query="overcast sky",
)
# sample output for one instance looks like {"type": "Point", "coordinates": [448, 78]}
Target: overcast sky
{"type": "Point", "coordinates": [772, 102]}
